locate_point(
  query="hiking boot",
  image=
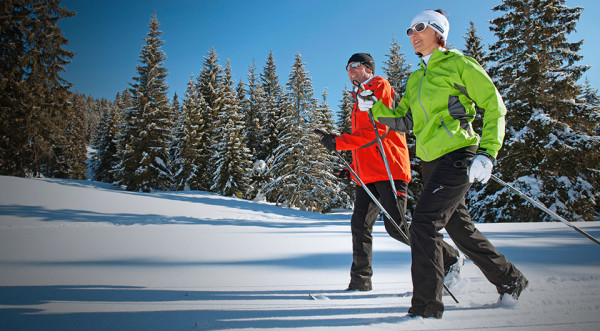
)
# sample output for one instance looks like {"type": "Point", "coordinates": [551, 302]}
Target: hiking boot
{"type": "Point", "coordinates": [514, 288]}
{"type": "Point", "coordinates": [360, 287]}
{"type": "Point", "coordinates": [412, 312]}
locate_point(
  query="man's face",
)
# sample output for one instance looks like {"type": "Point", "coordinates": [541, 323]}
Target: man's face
{"type": "Point", "coordinates": [360, 73]}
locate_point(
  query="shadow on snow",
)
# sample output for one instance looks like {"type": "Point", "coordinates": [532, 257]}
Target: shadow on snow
{"type": "Point", "coordinates": [202, 318]}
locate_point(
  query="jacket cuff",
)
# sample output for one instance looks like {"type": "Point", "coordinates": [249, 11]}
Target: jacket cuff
{"type": "Point", "coordinates": [481, 152]}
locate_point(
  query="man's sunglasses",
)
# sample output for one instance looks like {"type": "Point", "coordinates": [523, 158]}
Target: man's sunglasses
{"type": "Point", "coordinates": [419, 27]}
{"type": "Point", "coordinates": [353, 65]}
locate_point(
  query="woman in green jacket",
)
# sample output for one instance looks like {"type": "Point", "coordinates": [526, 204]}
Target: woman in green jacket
{"type": "Point", "coordinates": [440, 102]}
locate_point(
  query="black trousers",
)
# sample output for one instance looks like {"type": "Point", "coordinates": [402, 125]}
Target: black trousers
{"type": "Point", "coordinates": [364, 217]}
{"type": "Point", "coordinates": [442, 205]}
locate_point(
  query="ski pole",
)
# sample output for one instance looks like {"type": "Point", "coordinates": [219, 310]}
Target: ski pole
{"type": "Point", "coordinates": [544, 208]}
{"type": "Point", "coordinates": [361, 88]}
{"type": "Point", "coordinates": [376, 201]}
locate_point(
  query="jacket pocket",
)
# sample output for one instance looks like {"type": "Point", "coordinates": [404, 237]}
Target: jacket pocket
{"type": "Point", "coordinates": [446, 127]}
{"type": "Point", "coordinates": [458, 112]}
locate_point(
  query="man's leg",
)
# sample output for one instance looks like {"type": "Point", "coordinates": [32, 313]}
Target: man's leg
{"type": "Point", "coordinates": [364, 216]}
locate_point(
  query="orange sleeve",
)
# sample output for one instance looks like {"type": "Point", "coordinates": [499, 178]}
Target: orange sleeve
{"type": "Point", "coordinates": [362, 126]}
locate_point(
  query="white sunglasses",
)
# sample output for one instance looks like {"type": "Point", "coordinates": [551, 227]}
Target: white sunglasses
{"type": "Point", "coordinates": [419, 27]}
{"type": "Point", "coordinates": [353, 65]}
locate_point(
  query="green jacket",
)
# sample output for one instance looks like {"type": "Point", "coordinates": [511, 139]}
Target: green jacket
{"type": "Point", "coordinates": [440, 102]}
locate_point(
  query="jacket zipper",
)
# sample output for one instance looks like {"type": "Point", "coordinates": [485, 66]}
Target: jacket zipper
{"type": "Point", "coordinates": [445, 127]}
{"type": "Point", "coordinates": [354, 152]}
{"type": "Point", "coordinates": [424, 111]}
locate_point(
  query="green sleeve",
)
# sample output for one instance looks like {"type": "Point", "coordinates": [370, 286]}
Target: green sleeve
{"type": "Point", "coordinates": [399, 119]}
{"type": "Point", "coordinates": [481, 89]}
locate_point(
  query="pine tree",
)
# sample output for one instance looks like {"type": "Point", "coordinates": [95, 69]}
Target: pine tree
{"type": "Point", "coordinates": [271, 94]}
{"type": "Point", "coordinates": [148, 126]}
{"type": "Point", "coordinates": [105, 158]}
{"type": "Point", "coordinates": [232, 159]}
{"type": "Point", "coordinates": [187, 142]}
{"type": "Point", "coordinates": [34, 99]}
{"type": "Point", "coordinates": [210, 87]}
{"type": "Point", "coordinates": [328, 191]}
{"type": "Point", "coordinates": [274, 106]}
{"type": "Point", "coordinates": [291, 163]}
{"type": "Point", "coordinates": [474, 47]}
{"type": "Point", "coordinates": [548, 154]}
{"type": "Point", "coordinates": [74, 150]}
{"type": "Point", "coordinates": [253, 109]}
{"type": "Point", "coordinates": [397, 68]}
{"type": "Point", "coordinates": [344, 125]}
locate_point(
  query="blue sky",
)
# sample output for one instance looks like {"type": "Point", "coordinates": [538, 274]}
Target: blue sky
{"type": "Point", "coordinates": [107, 37]}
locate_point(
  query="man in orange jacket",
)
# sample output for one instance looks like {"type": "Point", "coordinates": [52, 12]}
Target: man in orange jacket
{"type": "Point", "coordinates": [368, 164]}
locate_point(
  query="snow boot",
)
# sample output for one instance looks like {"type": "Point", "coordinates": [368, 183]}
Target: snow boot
{"type": "Point", "coordinates": [515, 288]}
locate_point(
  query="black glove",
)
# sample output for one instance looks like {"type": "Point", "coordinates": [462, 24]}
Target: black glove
{"type": "Point", "coordinates": [328, 140]}
{"type": "Point", "coordinates": [343, 173]}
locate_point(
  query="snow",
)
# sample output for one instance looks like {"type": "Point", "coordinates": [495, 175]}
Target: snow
{"type": "Point", "coordinates": [80, 255]}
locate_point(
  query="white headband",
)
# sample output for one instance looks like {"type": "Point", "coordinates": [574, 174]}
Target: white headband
{"type": "Point", "coordinates": [435, 20]}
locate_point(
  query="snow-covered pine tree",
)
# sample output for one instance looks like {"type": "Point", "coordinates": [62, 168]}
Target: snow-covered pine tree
{"type": "Point", "coordinates": [397, 68]}
{"type": "Point", "coordinates": [232, 159]}
{"type": "Point", "coordinates": [145, 163]}
{"type": "Point", "coordinates": [175, 117]}
{"type": "Point", "coordinates": [328, 191]}
{"type": "Point", "coordinates": [290, 170]}
{"type": "Point", "coordinates": [94, 111]}
{"type": "Point", "coordinates": [210, 86]}
{"type": "Point", "coordinates": [474, 46]}
{"type": "Point", "coordinates": [271, 114]}
{"type": "Point", "coordinates": [74, 151]}
{"type": "Point", "coordinates": [187, 143]}
{"type": "Point", "coordinates": [344, 125]}
{"type": "Point", "coordinates": [589, 94]}
{"type": "Point", "coordinates": [548, 154]}
{"type": "Point", "coordinates": [274, 107]}
{"type": "Point", "coordinates": [253, 109]}
{"type": "Point", "coordinates": [175, 108]}
{"type": "Point", "coordinates": [105, 158]}
{"type": "Point", "coordinates": [474, 49]}
{"type": "Point", "coordinates": [34, 98]}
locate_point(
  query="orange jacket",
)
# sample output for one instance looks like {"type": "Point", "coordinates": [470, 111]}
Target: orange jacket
{"type": "Point", "coordinates": [367, 161]}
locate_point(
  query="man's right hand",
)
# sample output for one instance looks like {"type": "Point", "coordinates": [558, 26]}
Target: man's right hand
{"type": "Point", "coordinates": [366, 100]}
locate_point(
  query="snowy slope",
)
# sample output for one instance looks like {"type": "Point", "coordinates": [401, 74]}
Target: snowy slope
{"type": "Point", "coordinates": [79, 255]}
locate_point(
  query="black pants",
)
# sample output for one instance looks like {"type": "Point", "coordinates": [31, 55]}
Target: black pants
{"type": "Point", "coordinates": [364, 217]}
{"type": "Point", "coordinates": [442, 205]}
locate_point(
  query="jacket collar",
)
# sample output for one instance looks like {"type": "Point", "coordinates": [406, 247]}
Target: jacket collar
{"type": "Point", "coordinates": [439, 55]}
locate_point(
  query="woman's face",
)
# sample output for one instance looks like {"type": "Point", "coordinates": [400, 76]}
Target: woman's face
{"type": "Point", "coordinates": [424, 42]}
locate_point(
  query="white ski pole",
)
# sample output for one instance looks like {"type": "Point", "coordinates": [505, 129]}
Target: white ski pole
{"type": "Point", "coordinates": [544, 208]}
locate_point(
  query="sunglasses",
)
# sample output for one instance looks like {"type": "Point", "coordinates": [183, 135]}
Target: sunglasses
{"type": "Point", "coordinates": [419, 27]}
{"type": "Point", "coordinates": [353, 65]}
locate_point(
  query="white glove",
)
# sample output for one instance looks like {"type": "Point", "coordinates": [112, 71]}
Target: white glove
{"type": "Point", "coordinates": [365, 100]}
{"type": "Point", "coordinates": [480, 169]}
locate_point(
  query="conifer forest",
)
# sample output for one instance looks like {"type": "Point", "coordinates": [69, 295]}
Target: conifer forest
{"type": "Point", "coordinates": [253, 138]}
